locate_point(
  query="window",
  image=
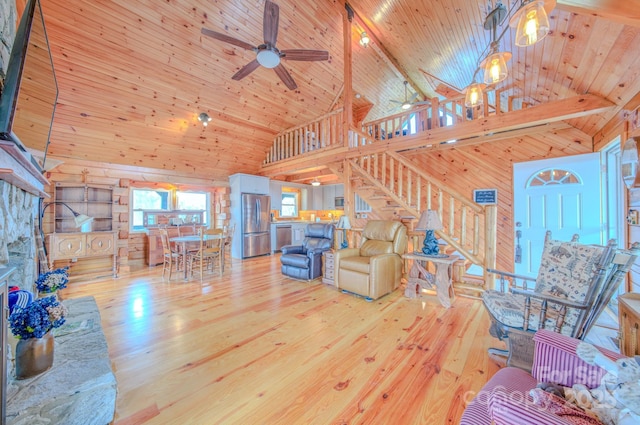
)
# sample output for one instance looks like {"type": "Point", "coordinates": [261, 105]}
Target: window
{"type": "Point", "coordinates": [553, 176]}
{"type": "Point", "coordinates": [289, 204]}
{"type": "Point", "coordinates": [147, 199]}
{"type": "Point", "coordinates": [198, 201]}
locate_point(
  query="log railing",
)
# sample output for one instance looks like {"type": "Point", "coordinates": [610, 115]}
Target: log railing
{"type": "Point", "coordinates": [467, 227]}
{"type": "Point", "coordinates": [324, 132]}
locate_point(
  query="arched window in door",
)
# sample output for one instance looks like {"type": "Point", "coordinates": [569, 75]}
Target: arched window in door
{"type": "Point", "coordinates": [553, 176]}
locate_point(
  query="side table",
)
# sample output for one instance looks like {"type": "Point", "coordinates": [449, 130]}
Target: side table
{"type": "Point", "coordinates": [327, 268]}
{"type": "Point", "coordinates": [419, 276]}
{"type": "Point", "coordinates": [629, 321]}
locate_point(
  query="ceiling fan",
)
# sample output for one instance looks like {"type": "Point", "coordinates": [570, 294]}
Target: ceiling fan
{"type": "Point", "coordinates": [408, 103]}
{"type": "Point", "coordinates": [267, 54]}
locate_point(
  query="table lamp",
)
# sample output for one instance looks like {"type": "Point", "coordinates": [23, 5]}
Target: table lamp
{"type": "Point", "coordinates": [429, 222]}
{"type": "Point", "coordinates": [344, 224]}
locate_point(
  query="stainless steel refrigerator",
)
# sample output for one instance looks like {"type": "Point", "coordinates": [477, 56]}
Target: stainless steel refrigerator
{"type": "Point", "coordinates": [256, 225]}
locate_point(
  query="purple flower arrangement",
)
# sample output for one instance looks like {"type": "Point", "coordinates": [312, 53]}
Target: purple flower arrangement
{"type": "Point", "coordinates": [52, 281]}
{"type": "Point", "coordinates": [37, 318]}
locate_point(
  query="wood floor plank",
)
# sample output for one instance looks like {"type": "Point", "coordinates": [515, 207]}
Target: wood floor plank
{"type": "Point", "coordinates": [254, 347]}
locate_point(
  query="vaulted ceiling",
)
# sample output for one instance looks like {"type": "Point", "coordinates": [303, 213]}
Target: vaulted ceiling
{"type": "Point", "coordinates": [134, 75]}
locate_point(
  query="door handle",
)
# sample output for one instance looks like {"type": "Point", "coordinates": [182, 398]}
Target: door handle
{"type": "Point", "coordinates": [518, 254]}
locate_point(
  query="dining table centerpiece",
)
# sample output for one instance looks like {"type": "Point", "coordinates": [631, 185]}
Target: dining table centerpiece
{"type": "Point", "coordinates": [32, 326]}
{"type": "Point", "coordinates": [50, 282]}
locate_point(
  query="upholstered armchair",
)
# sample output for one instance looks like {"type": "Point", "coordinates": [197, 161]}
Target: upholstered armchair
{"type": "Point", "coordinates": [506, 399]}
{"type": "Point", "coordinates": [374, 269]}
{"type": "Point", "coordinates": [305, 261]}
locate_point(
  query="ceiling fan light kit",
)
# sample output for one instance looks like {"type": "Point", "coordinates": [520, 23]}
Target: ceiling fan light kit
{"type": "Point", "coordinates": [268, 58]}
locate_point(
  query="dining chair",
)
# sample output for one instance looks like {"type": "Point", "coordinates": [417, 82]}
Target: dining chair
{"type": "Point", "coordinates": [228, 231]}
{"type": "Point", "coordinates": [209, 253]}
{"type": "Point", "coordinates": [187, 230]}
{"type": "Point", "coordinates": [170, 256]}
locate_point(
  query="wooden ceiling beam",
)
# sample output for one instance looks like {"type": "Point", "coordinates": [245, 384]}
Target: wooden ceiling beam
{"type": "Point", "coordinates": [626, 12]}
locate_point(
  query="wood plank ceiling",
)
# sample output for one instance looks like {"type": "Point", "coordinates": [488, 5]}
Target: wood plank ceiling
{"type": "Point", "coordinates": [133, 76]}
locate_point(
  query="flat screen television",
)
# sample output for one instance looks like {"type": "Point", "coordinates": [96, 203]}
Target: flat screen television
{"type": "Point", "coordinates": [28, 100]}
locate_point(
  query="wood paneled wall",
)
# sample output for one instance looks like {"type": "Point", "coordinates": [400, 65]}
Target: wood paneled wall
{"type": "Point", "coordinates": [490, 165]}
{"type": "Point", "coordinates": [131, 245]}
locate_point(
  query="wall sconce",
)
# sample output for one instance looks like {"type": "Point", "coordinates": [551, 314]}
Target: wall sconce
{"type": "Point", "coordinates": [531, 21]}
{"type": "Point", "coordinates": [364, 39]}
{"type": "Point", "coordinates": [204, 118]}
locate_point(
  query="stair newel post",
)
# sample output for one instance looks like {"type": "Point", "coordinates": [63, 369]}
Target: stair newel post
{"type": "Point", "coordinates": [409, 188]}
{"type": "Point", "coordinates": [452, 211]}
{"type": "Point", "coordinates": [463, 226]}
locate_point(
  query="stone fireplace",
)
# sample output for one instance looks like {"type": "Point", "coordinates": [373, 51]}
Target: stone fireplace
{"type": "Point", "coordinates": [18, 212]}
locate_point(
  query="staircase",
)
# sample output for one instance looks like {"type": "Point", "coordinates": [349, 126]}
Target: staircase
{"type": "Point", "coordinates": [397, 189]}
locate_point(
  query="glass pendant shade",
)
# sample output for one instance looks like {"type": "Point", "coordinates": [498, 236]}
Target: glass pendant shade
{"type": "Point", "coordinates": [532, 23]}
{"type": "Point", "coordinates": [495, 67]}
{"type": "Point", "coordinates": [475, 95]}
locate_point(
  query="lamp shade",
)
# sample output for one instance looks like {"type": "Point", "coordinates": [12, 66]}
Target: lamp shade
{"type": "Point", "coordinates": [475, 95]}
{"type": "Point", "coordinates": [343, 223]}
{"type": "Point", "coordinates": [429, 220]}
{"type": "Point", "coordinates": [82, 219]}
{"type": "Point", "coordinates": [495, 67]}
{"type": "Point", "coordinates": [531, 22]}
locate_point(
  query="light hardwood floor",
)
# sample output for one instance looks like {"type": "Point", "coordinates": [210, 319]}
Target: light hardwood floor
{"type": "Point", "coordinates": [254, 347]}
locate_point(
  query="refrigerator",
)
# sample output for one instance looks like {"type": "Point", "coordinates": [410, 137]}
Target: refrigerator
{"type": "Point", "coordinates": [256, 225]}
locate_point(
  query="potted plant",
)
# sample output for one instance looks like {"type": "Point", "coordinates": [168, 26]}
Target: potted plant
{"type": "Point", "coordinates": [52, 281]}
{"type": "Point", "coordinates": [32, 326]}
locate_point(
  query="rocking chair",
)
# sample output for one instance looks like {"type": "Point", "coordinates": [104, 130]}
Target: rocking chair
{"type": "Point", "coordinates": [574, 284]}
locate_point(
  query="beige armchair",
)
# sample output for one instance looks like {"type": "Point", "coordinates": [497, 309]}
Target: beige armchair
{"type": "Point", "coordinates": [374, 269]}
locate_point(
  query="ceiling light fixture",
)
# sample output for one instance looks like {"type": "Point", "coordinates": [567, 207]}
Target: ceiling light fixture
{"type": "Point", "coordinates": [315, 182]}
{"type": "Point", "coordinates": [531, 21]}
{"type": "Point", "coordinates": [406, 105]}
{"type": "Point", "coordinates": [204, 118]}
{"type": "Point", "coordinates": [269, 58]}
{"type": "Point", "coordinates": [495, 65]}
{"type": "Point", "coordinates": [364, 39]}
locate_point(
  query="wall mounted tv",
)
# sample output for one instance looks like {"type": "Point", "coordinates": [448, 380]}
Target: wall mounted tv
{"type": "Point", "coordinates": [28, 100]}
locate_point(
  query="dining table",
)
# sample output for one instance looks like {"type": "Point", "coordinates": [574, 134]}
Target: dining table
{"type": "Point", "coordinates": [191, 243]}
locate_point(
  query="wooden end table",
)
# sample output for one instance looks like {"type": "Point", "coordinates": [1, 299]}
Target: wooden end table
{"type": "Point", "coordinates": [420, 277]}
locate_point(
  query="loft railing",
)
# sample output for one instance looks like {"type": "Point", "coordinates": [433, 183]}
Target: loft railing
{"type": "Point", "coordinates": [321, 133]}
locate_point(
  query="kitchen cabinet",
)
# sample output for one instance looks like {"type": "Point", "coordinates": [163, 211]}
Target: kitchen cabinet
{"type": "Point", "coordinates": [247, 183]}
{"type": "Point", "coordinates": [629, 320]}
{"type": "Point", "coordinates": [317, 202]}
{"type": "Point", "coordinates": [70, 246]}
{"type": "Point", "coordinates": [275, 191]}
{"type": "Point", "coordinates": [329, 197]}
{"type": "Point", "coordinates": [339, 189]}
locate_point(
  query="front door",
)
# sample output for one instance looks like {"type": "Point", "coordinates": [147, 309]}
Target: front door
{"type": "Point", "coordinates": [562, 195]}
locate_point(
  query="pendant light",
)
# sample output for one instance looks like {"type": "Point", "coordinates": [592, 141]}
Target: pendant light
{"type": "Point", "coordinates": [475, 92]}
{"type": "Point", "coordinates": [531, 21]}
{"type": "Point", "coordinates": [495, 65]}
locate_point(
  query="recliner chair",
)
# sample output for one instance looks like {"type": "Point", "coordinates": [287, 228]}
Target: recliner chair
{"type": "Point", "coordinates": [305, 261]}
{"type": "Point", "coordinates": [374, 269]}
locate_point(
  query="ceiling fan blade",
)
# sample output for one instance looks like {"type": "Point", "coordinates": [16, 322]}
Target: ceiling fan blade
{"type": "Point", "coordinates": [413, 97]}
{"type": "Point", "coordinates": [270, 22]}
{"type": "Point", "coordinates": [227, 39]}
{"type": "Point", "coordinates": [246, 70]}
{"type": "Point", "coordinates": [286, 78]}
{"type": "Point", "coordinates": [305, 55]}
{"type": "Point", "coordinates": [396, 101]}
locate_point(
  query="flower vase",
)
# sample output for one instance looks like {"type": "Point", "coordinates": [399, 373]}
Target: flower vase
{"type": "Point", "coordinates": [48, 294]}
{"type": "Point", "coordinates": [34, 356]}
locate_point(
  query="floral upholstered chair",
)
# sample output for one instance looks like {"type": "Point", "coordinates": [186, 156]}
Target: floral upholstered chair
{"type": "Point", "coordinates": [574, 283]}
